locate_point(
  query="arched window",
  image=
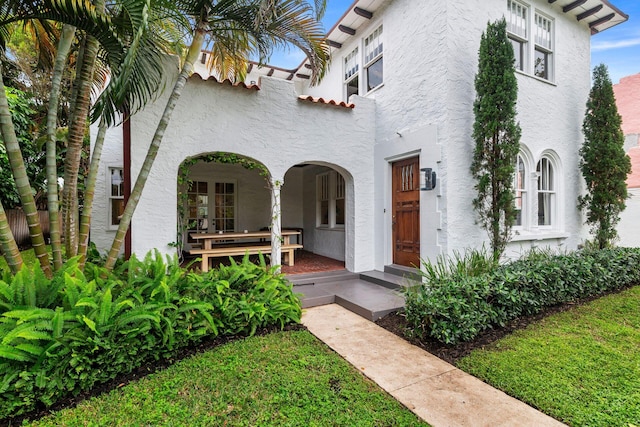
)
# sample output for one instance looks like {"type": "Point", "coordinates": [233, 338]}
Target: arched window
{"type": "Point", "coordinates": [546, 192]}
{"type": "Point", "coordinates": [520, 187]}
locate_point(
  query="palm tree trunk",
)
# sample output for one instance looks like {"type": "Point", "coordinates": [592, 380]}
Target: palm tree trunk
{"type": "Point", "coordinates": [77, 129]}
{"type": "Point", "coordinates": [136, 192]}
{"type": "Point", "coordinates": [8, 244]}
{"type": "Point", "coordinates": [75, 142]}
{"type": "Point", "coordinates": [89, 193]}
{"type": "Point", "coordinates": [64, 47]}
{"type": "Point", "coordinates": [22, 181]}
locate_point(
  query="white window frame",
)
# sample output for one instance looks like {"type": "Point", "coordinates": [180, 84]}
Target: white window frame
{"type": "Point", "coordinates": [351, 71]}
{"type": "Point", "coordinates": [547, 173]}
{"type": "Point", "coordinates": [543, 43]}
{"type": "Point", "coordinates": [521, 191]}
{"type": "Point", "coordinates": [534, 32]}
{"type": "Point", "coordinates": [330, 187]}
{"type": "Point", "coordinates": [110, 197]}
{"type": "Point", "coordinates": [373, 52]}
{"type": "Point", "coordinates": [518, 31]}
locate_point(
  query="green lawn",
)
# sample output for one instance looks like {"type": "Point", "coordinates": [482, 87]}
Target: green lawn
{"type": "Point", "coordinates": [581, 366]}
{"type": "Point", "coordinates": [282, 379]}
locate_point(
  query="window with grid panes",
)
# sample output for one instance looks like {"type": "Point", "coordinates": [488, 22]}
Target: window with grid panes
{"type": "Point", "coordinates": [351, 73]}
{"type": "Point", "coordinates": [542, 61]}
{"type": "Point", "coordinates": [517, 16]}
{"type": "Point", "coordinates": [224, 218]}
{"type": "Point", "coordinates": [116, 195]}
{"type": "Point", "coordinates": [330, 200]}
{"type": "Point", "coordinates": [373, 65]}
{"type": "Point", "coordinates": [520, 186]}
{"type": "Point", "coordinates": [546, 192]}
{"type": "Point", "coordinates": [197, 208]}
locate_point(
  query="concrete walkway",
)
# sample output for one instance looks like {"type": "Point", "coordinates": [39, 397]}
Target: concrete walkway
{"type": "Point", "coordinates": [436, 391]}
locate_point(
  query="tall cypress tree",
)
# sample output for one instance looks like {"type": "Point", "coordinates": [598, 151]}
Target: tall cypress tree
{"type": "Point", "coordinates": [603, 162]}
{"type": "Point", "coordinates": [497, 136]}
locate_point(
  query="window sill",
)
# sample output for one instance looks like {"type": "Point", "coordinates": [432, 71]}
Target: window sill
{"type": "Point", "coordinates": [540, 79]}
{"type": "Point", "coordinates": [523, 236]}
{"type": "Point", "coordinates": [375, 89]}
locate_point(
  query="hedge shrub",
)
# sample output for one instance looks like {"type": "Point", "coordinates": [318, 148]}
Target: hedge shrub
{"type": "Point", "coordinates": [63, 335]}
{"type": "Point", "coordinates": [454, 307]}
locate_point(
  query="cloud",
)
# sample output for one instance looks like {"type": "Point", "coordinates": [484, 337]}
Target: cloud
{"type": "Point", "coordinates": [616, 44]}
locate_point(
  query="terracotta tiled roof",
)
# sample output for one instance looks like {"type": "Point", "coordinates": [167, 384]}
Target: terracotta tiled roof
{"type": "Point", "coordinates": [228, 82]}
{"type": "Point", "coordinates": [325, 101]}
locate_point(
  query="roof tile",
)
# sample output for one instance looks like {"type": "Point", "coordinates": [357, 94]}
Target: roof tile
{"type": "Point", "coordinates": [326, 101]}
{"type": "Point", "coordinates": [228, 82]}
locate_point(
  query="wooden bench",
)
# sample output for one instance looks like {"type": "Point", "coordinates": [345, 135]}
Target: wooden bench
{"type": "Point", "coordinates": [206, 254]}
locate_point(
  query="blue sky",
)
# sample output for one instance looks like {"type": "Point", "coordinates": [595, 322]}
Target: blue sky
{"type": "Point", "coordinates": [617, 47]}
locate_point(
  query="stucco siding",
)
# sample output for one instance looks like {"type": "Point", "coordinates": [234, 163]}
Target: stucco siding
{"type": "Point", "coordinates": [270, 125]}
{"type": "Point", "coordinates": [102, 233]}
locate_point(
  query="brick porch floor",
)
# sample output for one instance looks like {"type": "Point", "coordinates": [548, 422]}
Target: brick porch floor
{"type": "Point", "coordinates": [305, 262]}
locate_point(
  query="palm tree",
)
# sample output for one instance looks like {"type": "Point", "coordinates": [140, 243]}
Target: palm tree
{"type": "Point", "coordinates": [121, 39]}
{"type": "Point", "coordinates": [19, 171]}
{"type": "Point", "coordinates": [64, 47]}
{"type": "Point", "coordinates": [236, 28]}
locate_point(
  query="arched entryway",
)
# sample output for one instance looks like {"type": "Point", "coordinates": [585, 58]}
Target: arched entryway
{"type": "Point", "coordinates": [318, 198]}
{"type": "Point", "coordinates": [221, 193]}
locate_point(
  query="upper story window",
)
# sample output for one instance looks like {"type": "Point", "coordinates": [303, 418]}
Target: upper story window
{"type": "Point", "coordinates": [373, 59]}
{"type": "Point", "coordinates": [517, 28]}
{"type": "Point", "coordinates": [532, 38]}
{"type": "Point", "coordinates": [351, 73]}
{"type": "Point", "coordinates": [543, 47]}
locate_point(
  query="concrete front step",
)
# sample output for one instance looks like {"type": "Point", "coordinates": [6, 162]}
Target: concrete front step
{"type": "Point", "coordinates": [388, 280]}
{"type": "Point", "coordinates": [371, 294]}
{"type": "Point", "coordinates": [364, 298]}
{"type": "Point", "coordinates": [402, 271]}
{"type": "Point", "coordinates": [321, 277]}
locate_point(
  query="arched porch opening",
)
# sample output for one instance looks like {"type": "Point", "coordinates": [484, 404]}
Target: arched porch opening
{"type": "Point", "coordinates": [221, 192]}
{"type": "Point", "coordinates": [318, 198]}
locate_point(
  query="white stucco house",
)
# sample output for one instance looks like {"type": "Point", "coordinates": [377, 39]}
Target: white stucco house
{"type": "Point", "coordinates": [346, 157]}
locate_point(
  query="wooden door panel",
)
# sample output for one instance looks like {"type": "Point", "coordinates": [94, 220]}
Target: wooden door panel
{"type": "Point", "coordinates": [406, 212]}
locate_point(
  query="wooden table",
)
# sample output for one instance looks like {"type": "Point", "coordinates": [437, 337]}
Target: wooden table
{"type": "Point", "coordinates": [230, 244]}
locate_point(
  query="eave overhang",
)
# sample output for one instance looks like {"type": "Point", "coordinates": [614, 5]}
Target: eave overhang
{"type": "Point", "coordinates": [599, 15]}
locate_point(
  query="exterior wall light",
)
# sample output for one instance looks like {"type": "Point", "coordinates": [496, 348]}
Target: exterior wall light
{"type": "Point", "coordinates": [429, 179]}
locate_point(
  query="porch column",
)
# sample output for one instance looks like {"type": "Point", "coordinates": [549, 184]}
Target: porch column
{"type": "Point", "coordinates": [276, 222]}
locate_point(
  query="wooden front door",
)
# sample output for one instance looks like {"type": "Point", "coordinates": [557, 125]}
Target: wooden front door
{"type": "Point", "coordinates": [406, 212]}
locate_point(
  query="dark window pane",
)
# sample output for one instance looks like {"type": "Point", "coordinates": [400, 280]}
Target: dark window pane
{"type": "Point", "coordinates": [340, 212]}
{"type": "Point", "coordinates": [352, 87]}
{"type": "Point", "coordinates": [518, 52]}
{"type": "Point", "coordinates": [324, 212]}
{"type": "Point", "coordinates": [117, 209]}
{"type": "Point", "coordinates": [374, 75]}
{"type": "Point", "coordinates": [541, 65]}
{"type": "Point", "coordinates": [229, 188]}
